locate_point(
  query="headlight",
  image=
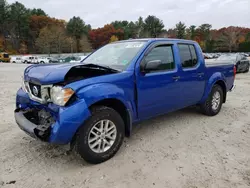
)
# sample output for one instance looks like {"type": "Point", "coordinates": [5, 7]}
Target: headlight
{"type": "Point", "coordinates": [61, 96]}
{"type": "Point", "coordinates": [24, 87]}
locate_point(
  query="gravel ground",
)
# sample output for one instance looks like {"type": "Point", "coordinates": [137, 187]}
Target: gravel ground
{"type": "Point", "coordinates": [182, 149]}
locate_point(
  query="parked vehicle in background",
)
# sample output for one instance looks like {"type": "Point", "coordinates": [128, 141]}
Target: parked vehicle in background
{"type": "Point", "coordinates": [30, 60]}
{"type": "Point", "coordinates": [43, 60]}
{"type": "Point", "coordinates": [17, 59]}
{"type": "Point", "coordinates": [78, 59]}
{"type": "Point", "coordinates": [4, 57]}
{"type": "Point", "coordinates": [240, 61]}
{"type": "Point", "coordinates": [93, 104]}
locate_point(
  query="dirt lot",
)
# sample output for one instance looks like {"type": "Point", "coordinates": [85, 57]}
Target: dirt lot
{"type": "Point", "coordinates": [181, 149]}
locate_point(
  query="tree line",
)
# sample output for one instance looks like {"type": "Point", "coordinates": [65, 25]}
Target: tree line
{"type": "Point", "coordinates": [24, 30]}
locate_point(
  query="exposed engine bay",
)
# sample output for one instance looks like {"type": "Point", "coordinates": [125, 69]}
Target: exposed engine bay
{"type": "Point", "coordinates": [86, 71]}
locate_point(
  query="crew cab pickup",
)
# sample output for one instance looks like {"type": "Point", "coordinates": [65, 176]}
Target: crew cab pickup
{"type": "Point", "coordinates": [92, 105]}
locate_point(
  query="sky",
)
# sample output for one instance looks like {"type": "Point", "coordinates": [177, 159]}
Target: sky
{"type": "Point", "coordinates": [218, 13]}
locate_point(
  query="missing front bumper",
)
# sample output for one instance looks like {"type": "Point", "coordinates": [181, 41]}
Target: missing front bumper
{"type": "Point", "coordinates": [36, 123]}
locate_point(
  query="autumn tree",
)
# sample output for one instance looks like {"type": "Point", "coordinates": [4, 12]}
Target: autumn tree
{"type": "Point", "coordinates": [51, 39]}
{"type": "Point", "coordinates": [23, 48]}
{"type": "Point", "coordinates": [101, 36]}
{"type": "Point", "coordinates": [230, 38]}
{"type": "Point", "coordinates": [36, 23]}
{"type": "Point", "coordinates": [76, 27]}
{"type": "Point", "coordinates": [85, 44]}
{"type": "Point", "coordinates": [180, 30]}
{"type": "Point", "coordinates": [113, 38]}
{"type": "Point", "coordinates": [153, 26]}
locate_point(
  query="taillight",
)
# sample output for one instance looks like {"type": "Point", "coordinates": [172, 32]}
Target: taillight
{"type": "Point", "coordinates": [234, 71]}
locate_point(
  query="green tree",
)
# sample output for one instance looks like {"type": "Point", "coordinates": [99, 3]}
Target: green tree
{"type": "Point", "coordinates": [38, 12]}
{"type": "Point", "coordinates": [76, 27]}
{"type": "Point", "coordinates": [18, 27]}
{"type": "Point", "coordinates": [129, 28]}
{"type": "Point", "coordinates": [153, 26]}
{"type": "Point", "coordinates": [192, 30]}
{"type": "Point", "coordinates": [180, 30]}
{"type": "Point", "coordinates": [204, 31]}
{"type": "Point", "coordinates": [139, 24]}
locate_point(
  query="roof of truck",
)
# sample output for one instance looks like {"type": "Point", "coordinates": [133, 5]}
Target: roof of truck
{"type": "Point", "coordinates": [158, 39]}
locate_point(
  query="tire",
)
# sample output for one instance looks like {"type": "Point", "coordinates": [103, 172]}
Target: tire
{"type": "Point", "coordinates": [42, 62]}
{"type": "Point", "coordinates": [247, 70]}
{"type": "Point", "coordinates": [25, 62]}
{"type": "Point", "coordinates": [13, 62]}
{"type": "Point", "coordinates": [83, 136]}
{"type": "Point", "coordinates": [207, 107]}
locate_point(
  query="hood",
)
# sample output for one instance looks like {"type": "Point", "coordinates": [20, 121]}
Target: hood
{"type": "Point", "coordinates": [47, 74]}
{"type": "Point", "coordinates": [63, 73]}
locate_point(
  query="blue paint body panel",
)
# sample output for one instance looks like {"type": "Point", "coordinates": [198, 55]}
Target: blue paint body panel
{"type": "Point", "coordinates": [143, 95]}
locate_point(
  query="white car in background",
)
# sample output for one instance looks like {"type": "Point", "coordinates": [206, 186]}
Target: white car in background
{"type": "Point", "coordinates": [30, 60]}
{"type": "Point", "coordinates": [78, 59]}
{"type": "Point", "coordinates": [43, 60]}
{"type": "Point", "coordinates": [16, 60]}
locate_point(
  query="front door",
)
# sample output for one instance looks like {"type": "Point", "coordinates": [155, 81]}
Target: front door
{"type": "Point", "coordinates": [158, 90]}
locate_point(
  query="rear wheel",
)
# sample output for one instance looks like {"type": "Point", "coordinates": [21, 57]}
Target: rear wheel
{"type": "Point", "coordinates": [101, 136]}
{"type": "Point", "coordinates": [247, 69]}
{"type": "Point", "coordinates": [212, 105]}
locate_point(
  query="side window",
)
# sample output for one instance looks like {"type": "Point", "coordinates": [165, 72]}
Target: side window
{"type": "Point", "coordinates": [164, 53]}
{"type": "Point", "coordinates": [194, 56]}
{"type": "Point", "coordinates": [188, 55]}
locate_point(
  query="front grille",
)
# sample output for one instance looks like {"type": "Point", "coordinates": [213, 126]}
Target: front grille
{"type": "Point", "coordinates": [35, 90]}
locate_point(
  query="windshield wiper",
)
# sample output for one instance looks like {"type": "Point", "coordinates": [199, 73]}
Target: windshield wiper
{"type": "Point", "coordinates": [105, 67]}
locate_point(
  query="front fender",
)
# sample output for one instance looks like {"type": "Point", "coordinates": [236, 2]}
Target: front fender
{"type": "Point", "coordinates": [210, 83]}
{"type": "Point", "coordinates": [97, 92]}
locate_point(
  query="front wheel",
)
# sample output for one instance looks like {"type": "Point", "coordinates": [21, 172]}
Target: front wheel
{"type": "Point", "coordinates": [101, 136]}
{"type": "Point", "coordinates": [212, 105]}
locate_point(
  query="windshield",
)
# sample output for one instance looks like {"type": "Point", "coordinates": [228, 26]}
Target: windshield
{"type": "Point", "coordinates": [115, 55]}
{"type": "Point", "coordinates": [227, 57]}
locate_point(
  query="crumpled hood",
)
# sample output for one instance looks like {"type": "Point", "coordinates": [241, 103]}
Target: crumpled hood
{"type": "Point", "coordinates": [47, 74]}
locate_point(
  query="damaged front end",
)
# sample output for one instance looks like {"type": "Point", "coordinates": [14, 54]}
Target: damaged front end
{"type": "Point", "coordinates": [35, 122]}
{"type": "Point", "coordinates": [47, 107]}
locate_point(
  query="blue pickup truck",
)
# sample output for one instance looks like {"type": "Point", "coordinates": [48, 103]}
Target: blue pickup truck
{"type": "Point", "coordinates": [92, 105]}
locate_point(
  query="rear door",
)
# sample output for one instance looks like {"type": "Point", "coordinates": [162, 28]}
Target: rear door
{"type": "Point", "coordinates": [192, 79]}
{"type": "Point", "coordinates": [158, 91]}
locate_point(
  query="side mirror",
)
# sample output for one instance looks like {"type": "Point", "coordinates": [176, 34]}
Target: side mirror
{"type": "Point", "coordinates": [151, 66]}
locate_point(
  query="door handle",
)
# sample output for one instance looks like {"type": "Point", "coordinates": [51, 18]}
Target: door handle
{"type": "Point", "coordinates": [176, 78]}
{"type": "Point", "coordinates": [200, 74]}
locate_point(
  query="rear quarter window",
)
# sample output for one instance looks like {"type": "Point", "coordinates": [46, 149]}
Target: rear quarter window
{"type": "Point", "coordinates": [188, 55]}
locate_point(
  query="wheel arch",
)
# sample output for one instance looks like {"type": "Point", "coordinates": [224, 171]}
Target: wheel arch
{"type": "Point", "coordinates": [120, 107]}
{"type": "Point", "coordinates": [218, 79]}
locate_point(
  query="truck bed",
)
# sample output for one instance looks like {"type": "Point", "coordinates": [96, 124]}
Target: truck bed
{"type": "Point", "coordinates": [221, 67]}
{"type": "Point", "coordinates": [215, 63]}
